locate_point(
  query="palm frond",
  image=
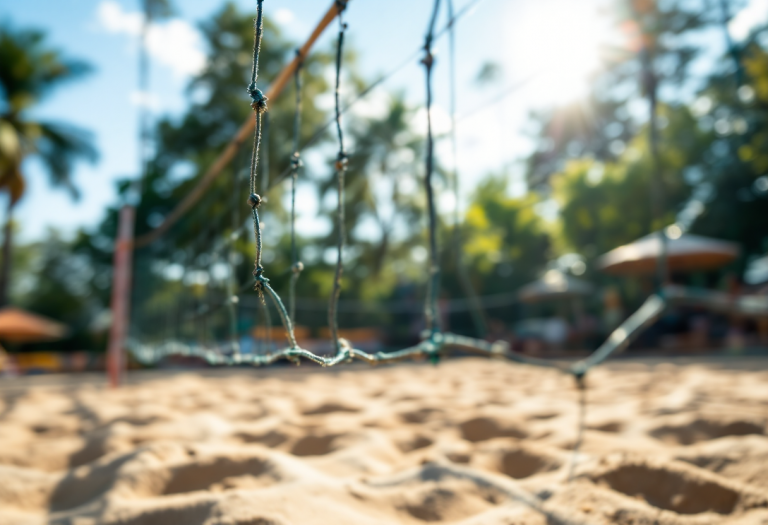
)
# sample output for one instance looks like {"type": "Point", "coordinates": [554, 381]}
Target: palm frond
{"type": "Point", "coordinates": [30, 69]}
{"type": "Point", "coordinates": [59, 146]}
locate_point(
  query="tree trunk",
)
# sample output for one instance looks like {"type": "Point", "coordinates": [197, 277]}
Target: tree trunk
{"type": "Point", "coordinates": [5, 268]}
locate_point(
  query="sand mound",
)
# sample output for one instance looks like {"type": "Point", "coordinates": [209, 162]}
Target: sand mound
{"type": "Point", "coordinates": [469, 442]}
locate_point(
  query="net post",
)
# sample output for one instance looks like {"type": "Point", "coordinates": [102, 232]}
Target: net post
{"type": "Point", "coordinates": [121, 299]}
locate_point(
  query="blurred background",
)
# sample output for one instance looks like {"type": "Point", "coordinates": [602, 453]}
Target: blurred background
{"type": "Point", "coordinates": [105, 103]}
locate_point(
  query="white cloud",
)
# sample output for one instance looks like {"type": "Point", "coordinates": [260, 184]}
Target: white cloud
{"type": "Point", "coordinates": [374, 106]}
{"type": "Point", "coordinates": [112, 18]}
{"type": "Point", "coordinates": [755, 13]}
{"type": "Point", "coordinates": [325, 101]}
{"type": "Point", "coordinates": [441, 120]}
{"type": "Point", "coordinates": [173, 43]}
{"type": "Point", "coordinates": [177, 45]}
{"type": "Point", "coordinates": [284, 16]}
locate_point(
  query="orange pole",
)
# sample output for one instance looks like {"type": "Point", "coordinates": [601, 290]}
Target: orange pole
{"type": "Point", "coordinates": [121, 295]}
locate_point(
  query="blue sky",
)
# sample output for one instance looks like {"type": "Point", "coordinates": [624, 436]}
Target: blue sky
{"type": "Point", "coordinates": [518, 34]}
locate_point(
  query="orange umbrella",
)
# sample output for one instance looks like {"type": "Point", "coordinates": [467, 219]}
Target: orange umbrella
{"type": "Point", "coordinates": [686, 252]}
{"type": "Point", "coordinates": [22, 327]}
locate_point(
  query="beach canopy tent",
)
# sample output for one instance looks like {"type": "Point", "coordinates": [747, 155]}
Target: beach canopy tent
{"type": "Point", "coordinates": [554, 285]}
{"type": "Point", "coordinates": [19, 326]}
{"type": "Point", "coordinates": [685, 252]}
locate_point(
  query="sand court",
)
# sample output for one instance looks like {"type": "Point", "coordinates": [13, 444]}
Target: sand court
{"type": "Point", "coordinates": [468, 441]}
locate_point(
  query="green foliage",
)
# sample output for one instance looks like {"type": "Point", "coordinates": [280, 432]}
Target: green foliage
{"type": "Point", "coordinates": [711, 154]}
{"type": "Point", "coordinates": [607, 204]}
{"type": "Point", "coordinates": [601, 125]}
{"type": "Point", "coordinates": [54, 282]}
{"type": "Point", "coordinates": [734, 205]}
{"type": "Point", "coordinates": [602, 206]}
{"type": "Point", "coordinates": [25, 278]}
{"type": "Point", "coordinates": [30, 71]}
{"type": "Point", "coordinates": [506, 243]}
{"type": "Point", "coordinates": [382, 191]}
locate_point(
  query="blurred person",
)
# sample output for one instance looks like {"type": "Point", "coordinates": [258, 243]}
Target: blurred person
{"type": "Point", "coordinates": [444, 312]}
{"type": "Point", "coordinates": [735, 339]}
{"type": "Point", "coordinates": [613, 311]}
{"type": "Point", "coordinates": [699, 328]}
{"type": "Point", "coordinates": [762, 322]}
{"type": "Point", "coordinates": [587, 330]}
{"type": "Point", "coordinates": [533, 346]}
{"type": "Point", "coordinates": [8, 366]}
{"type": "Point", "coordinates": [497, 330]}
{"type": "Point", "coordinates": [762, 330]}
{"type": "Point", "coordinates": [556, 332]}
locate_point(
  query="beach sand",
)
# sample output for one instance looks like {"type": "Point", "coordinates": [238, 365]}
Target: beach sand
{"type": "Point", "coordinates": [468, 441]}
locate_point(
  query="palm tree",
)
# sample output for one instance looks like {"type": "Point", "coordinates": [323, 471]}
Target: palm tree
{"type": "Point", "coordinates": [29, 71]}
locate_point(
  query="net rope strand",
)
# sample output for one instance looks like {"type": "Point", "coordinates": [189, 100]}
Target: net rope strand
{"type": "Point", "coordinates": [431, 319]}
{"type": "Point", "coordinates": [476, 309]}
{"type": "Point", "coordinates": [341, 168]}
{"type": "Point", "coordinates": [232, 296]}
{"type": "Point", "coordinates": [296, 265]}
{"type": "Point", "coordinates": [259, 106]}
{"type": "Point", "coordinates": [320, 131]}
{"type": "Point", "coordinates": [265, 156]}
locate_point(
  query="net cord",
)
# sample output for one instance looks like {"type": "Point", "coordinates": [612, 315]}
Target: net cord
{"type": "Point", "coordinates": [259, 106]}
{"type": "Point", "coordinates": [341, 168]}
{"type": "Point", "coordinates": [476, 308]}
{"type": "Point", "coordinates": [296, 265]}
{"type": "Point", "coordinates": [431, 318]}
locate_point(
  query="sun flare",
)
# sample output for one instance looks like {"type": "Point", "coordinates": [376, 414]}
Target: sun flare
{"type": "Point", "coordinates": [561, 42]}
